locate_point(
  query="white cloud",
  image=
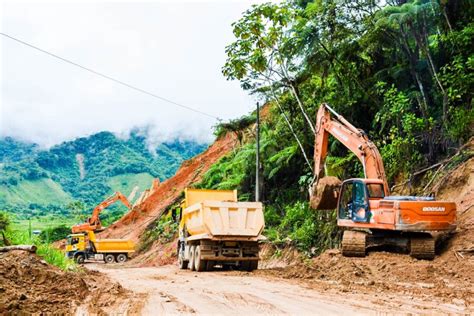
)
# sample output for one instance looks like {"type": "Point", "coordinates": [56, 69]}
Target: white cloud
{"type": "Point", "coordinates": [173, 49]}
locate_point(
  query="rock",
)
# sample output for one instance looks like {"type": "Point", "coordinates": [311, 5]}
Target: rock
{"type": "Point", "coordinates": [23, 297]}
{"type": "Point", "coordinates": [371, 282]}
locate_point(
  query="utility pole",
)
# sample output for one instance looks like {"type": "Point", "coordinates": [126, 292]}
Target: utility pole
{"type": "Point", "coordinates": [257, 163]}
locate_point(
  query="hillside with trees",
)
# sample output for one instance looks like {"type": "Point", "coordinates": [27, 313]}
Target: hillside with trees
{"type": "Point", "coordinates": [76, 175]}
{"type": "Point", "coordinates": [402, 72]}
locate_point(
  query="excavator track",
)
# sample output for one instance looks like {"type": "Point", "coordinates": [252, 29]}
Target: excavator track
{"type": "Point", "coordinates": [354, 243]}
{"type": "Point", "coordinates": [422, 247]}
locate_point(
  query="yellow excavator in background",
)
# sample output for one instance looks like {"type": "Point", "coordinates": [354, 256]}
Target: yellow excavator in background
{"type": "Point", "coordinates": [366, 210]}
{"type": "Point", "coordinates": [93, 223]}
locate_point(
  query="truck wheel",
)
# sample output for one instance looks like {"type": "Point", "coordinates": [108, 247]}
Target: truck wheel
{"type": "Point", "coordinates": [253, 265]}
{"type": "Point", "coordinates": [192, 250]}
{"type": "Point", "coordinates": [109, 258]}
{"type": "Point", "coordinates": [79, 258]}
{"type": "Point", "coordinates": [182, 263]}
{"type": "Point", "coordinates": [121, 258]}
{"type": "Point", "coordinates": [200, 265]}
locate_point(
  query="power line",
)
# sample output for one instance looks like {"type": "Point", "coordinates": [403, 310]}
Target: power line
{"type": "Point", "coordinates": [110, 78]}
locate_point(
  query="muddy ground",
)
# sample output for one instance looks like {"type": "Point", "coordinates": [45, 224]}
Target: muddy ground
{"type": "Point", "coordinates": [30, 285]}
{"type": "Point", "coordinates": [173, 291]}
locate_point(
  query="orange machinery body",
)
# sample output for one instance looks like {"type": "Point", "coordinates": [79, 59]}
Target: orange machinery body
{"type": "Point", "coordinates": [398, 213]}
{"type": "Point", "coordinates": [381, 210]}
{"type": "Point", "coordinates": [93, 223]}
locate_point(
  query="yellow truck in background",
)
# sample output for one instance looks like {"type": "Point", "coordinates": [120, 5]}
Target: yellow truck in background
{"type": "Point", "coordinates": [85, 246]}
{"type": "Point", "coordinates": [216, 229]}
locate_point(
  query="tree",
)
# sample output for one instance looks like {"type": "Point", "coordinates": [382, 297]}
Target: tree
{"type": "Point", "coordinates": [4, 224]}
{"type": "Point", "coordinates": [77, 210]}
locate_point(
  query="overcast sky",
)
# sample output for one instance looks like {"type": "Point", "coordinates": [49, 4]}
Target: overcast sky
{"type": "Point", "coordinates": [173, 49]}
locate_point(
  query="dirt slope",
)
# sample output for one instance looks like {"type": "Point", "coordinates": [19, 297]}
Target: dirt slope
{"type": "Point", "coordinates": [29, 285]}
{"type": "Point", "coordinates": [135, 222]}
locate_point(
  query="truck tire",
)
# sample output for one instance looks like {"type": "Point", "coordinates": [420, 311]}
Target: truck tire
{"type": "Point", "coordinates": [79, 258]}
{"type": "Point", "coordinates": [121, 258]}
{"type": "Point", "coordinates": [192, 250]}
{"type": "Point", "coordinates": [182, 263]}
{"type": "Point", "coordinates": [199, 264]}
{"type": "Point", "coordinates": [253, 265]}
{"type": "Point", "coordinates": [109, 258]}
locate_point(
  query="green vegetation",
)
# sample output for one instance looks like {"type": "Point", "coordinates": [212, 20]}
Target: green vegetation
{"type": "Point", "coordinates": [45, 250]}
{"type": "Point", "coordinates": [50, 235]}
{"type": "Point", "coordinates": [400, 70]}
{"type": "Point", "coordinates": [37, 183]}
{"type": "Point", "coordinates": [48, 252]}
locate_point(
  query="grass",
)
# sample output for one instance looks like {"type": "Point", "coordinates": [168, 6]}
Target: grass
{"type": "Point", "coordinates": [48, 252]}
{"type": "Point", "coordinates": [40, 223]}
{"type": "Point", "coordinates": [41, 191]}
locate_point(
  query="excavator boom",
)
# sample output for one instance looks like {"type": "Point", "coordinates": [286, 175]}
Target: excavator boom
{"type": "Point", "coordinates": [356, 141]}
{"type": "Point", "coordinates": [93, 223]}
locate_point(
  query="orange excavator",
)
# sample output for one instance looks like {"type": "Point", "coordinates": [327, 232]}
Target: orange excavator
{"type": "Point", "coordinates": [366, 211]}
{"type": "Point", "coordinates": [93, 223]}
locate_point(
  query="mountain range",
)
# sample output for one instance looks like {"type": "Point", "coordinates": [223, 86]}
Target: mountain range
{"type": "Point", "coordinates": [39, 181]}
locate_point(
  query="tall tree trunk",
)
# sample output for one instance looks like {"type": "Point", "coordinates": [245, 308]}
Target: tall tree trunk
{"type": "Point", "coordinates": [298, 100]}
{"type": "Point", "coordinates": [291, 128]}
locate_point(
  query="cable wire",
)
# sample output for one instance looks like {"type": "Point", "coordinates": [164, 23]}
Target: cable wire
{"type": "Point", "coordinates": [110, 78]}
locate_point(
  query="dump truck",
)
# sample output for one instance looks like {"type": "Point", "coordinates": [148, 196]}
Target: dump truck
{"type": "Point", "coordinates": [85, 246]}
{"type": "Point", "coordinates": [216, 229]}
{"type": "Point", "coordinates": [366, 210]}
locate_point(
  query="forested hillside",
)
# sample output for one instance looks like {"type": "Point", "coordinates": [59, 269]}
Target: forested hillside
{"type": "Point", "coordinates": [80, 173]}
{"type": "Point", "coordinates": [401, 71]}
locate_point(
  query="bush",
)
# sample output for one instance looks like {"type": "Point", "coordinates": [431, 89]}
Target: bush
{"type": "Point", "coordinates": [310, 231]}
{"type": "Point", "coordinates": [55, 233]}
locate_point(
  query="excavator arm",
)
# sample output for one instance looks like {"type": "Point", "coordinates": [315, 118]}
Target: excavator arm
{"type": "Point", "coordinates": [355, 140]}
{"type": "Point", "coordinates": [93, 223]}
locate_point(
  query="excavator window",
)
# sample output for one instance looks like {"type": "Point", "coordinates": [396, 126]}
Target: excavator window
{"type": "Point", "coordinates": [346, 200]}
{"type": "Point", "coordinates": [360, 206]}
{"type": "Point", "coordinates": [375, 190]}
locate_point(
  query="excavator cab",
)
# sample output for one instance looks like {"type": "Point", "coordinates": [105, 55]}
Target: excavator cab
{"type": "Point", "coordinates": [354, 198]}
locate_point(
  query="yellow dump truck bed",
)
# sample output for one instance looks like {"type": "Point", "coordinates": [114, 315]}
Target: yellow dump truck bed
{"type": "Point", "coordinates": [216, 214]}
{"type": "Point", "coordinates": [112, 245]}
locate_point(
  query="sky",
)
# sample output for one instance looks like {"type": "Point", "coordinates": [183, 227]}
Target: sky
{"type": "Point", "coordinates": [173, 49]}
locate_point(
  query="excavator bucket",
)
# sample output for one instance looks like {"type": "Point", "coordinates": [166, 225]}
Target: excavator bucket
{"type": "Point", "coordinates": [324, 193]}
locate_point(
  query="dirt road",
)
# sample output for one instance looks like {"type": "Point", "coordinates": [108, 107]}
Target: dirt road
{"type": "Point", "coordinates": [173, 291]}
